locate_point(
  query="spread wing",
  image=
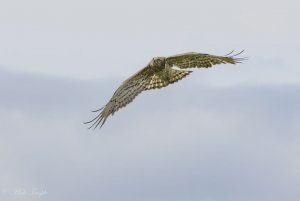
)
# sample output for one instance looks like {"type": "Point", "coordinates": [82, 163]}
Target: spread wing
{"type": "Point", "coordinates": [125, 94]}
{"type": "Point", "coordinates": [130, 88]}
{"type": "Point", "coordinates": [199, 60]}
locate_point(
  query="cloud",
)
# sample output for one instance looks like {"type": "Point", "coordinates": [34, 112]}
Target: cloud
{"type": "Point", "coordinates": [189, 141]}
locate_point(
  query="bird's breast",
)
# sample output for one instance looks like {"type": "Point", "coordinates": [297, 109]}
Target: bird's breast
{"type": "Point", "coordinates": [157, 68]}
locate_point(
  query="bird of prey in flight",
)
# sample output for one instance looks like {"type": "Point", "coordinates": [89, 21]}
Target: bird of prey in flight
{"type": "Point", "coordinates": [160, 72]}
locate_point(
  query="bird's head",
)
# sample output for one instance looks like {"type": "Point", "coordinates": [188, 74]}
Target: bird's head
{"type": "Point", "coordinates": [158, 62]}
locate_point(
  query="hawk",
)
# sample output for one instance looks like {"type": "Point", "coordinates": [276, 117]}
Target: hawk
{"type": "Point", "coordinates": [160, 72]}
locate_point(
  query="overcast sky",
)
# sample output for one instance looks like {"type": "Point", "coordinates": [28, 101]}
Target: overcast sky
{"type": "Point", "coordinates": [228, 133]}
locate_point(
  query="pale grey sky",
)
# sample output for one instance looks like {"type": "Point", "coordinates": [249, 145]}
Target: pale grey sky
{"type": "Point", "coordinates": [100, 39]}
{"type": "Point", "coordinates": [228, 133]}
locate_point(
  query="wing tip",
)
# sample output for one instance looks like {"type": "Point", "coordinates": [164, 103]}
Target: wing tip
{"type": "Point", "coordinates": [100, 118]}
{"type": "Point", "coordinates": [235, 59]}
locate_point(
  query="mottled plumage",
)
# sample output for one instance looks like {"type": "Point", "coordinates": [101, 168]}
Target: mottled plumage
{"type": "Point", "coordinates": [160, 72]}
